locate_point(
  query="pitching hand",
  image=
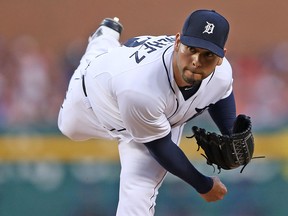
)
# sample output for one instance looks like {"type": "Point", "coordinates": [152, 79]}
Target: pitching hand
{"type": "Point", "coordinates": [217, 192]}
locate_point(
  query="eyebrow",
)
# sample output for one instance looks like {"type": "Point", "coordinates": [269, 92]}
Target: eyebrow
{"type": "Point", "coordinates": [204, 50]}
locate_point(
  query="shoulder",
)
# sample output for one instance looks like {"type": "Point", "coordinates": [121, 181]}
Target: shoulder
{"type": "Point", "coordinates": [226, 64]}
{"type": "Point", "coordinates": [224, 71]}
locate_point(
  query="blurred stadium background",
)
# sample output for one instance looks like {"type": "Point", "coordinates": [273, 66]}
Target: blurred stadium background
{"type": "Point", "coordinates": [43, 173]}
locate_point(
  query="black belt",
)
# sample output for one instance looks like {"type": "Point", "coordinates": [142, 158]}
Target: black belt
{"type": "Point", "coordinates": [83, 86]}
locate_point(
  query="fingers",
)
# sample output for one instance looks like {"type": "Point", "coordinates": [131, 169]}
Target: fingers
{"type": "Point", "coordinates": [222, 190]}
{"type": "Point", "coordinates": [217, 192]}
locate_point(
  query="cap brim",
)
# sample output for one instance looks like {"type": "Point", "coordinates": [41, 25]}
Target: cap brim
{"type": "Point", "coordinates": [200, 43]}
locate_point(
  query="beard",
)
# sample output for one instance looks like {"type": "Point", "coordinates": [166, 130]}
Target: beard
{"type": "Point", "coordinates": [191, 78]}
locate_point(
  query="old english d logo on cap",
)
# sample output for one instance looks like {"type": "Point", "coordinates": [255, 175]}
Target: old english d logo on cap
{"type": "Point", "coordinates": [206, 29]}
{"type": "Point", "coordinates": [209, 28]}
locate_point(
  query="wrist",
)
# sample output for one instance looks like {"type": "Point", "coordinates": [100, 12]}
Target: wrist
{"type": "Point", "coordinates": [205, 186]}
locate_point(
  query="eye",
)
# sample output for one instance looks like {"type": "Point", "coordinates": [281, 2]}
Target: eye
{"type": "Point", "coordinates": [192, 49]}
{"type": "Point", "coordinates": [209, 54]}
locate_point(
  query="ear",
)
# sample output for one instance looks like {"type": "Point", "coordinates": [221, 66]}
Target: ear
{"type": "Point", "coordinates": [177, 42]}
{"type": "Point", "coordinates": [220, 60]}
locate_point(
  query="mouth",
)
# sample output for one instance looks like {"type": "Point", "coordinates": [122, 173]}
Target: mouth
{"type": "Point", "coordinates": [195, 72]}
{"type": "Point", "coordinates": [192, 71]}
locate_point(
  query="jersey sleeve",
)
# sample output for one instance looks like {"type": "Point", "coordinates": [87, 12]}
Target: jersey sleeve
{"type": "Point", "coordinates": [223, 114]}
{"type": "Point", "coordinates": [143, 116]}
{"type": "Point", "coordinates": [227, 69]}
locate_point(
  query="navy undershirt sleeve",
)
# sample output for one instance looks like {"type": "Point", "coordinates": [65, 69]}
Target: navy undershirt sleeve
{"type": "Point", "coordinates": [173, 159]}
{"type": "Point", "coordinates": [223, 114]}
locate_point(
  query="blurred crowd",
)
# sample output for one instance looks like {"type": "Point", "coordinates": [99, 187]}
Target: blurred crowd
{"type": "Point", "coordinates": [261, 87]}
{"type": "Point", "coordinates": [33, 83]}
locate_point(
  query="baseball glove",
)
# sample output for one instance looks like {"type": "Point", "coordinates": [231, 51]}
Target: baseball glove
{"type": "Point", "coordinates": [227, 152]}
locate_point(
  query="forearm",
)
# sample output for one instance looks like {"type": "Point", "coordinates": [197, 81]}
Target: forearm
{"type": "Point", "coordinates": [173, 159]}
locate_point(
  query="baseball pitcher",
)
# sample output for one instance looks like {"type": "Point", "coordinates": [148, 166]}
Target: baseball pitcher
{"type": "Point", "coordinates": [142, 92]}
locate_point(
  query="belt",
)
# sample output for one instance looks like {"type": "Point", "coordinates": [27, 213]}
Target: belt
{"type": "Point", "coordinates": [83, 86]}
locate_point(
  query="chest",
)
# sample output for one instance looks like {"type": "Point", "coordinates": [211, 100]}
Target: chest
{"type": "Point", "coordinates": [184, 110]}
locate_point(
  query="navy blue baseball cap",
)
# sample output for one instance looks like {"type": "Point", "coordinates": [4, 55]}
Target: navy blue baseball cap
{"type": "Point", "coordinates": [206, 29]}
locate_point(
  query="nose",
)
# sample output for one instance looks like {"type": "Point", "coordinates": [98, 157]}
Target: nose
{"type": "Point", "coordinates": [196, 60]}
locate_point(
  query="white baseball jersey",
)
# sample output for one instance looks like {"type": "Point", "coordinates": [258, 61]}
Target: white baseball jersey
{"type": "Point", "coordinates": [133, 93]}
{"type": "Point", "coordinates": [129, 93]}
